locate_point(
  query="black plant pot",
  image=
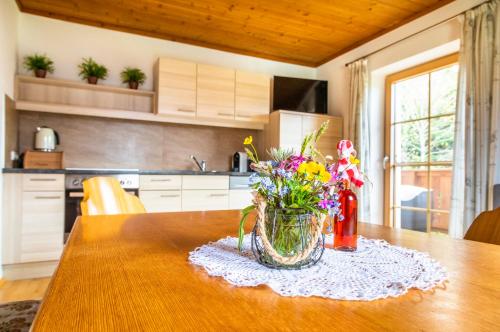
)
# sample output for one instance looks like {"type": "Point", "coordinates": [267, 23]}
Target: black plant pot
{"type": "Point", "coordinates": [92, 80]}
{"type": "Point", "coordinates": [133, 85]}
{"type": "Point", "coordinates": [41, 73]}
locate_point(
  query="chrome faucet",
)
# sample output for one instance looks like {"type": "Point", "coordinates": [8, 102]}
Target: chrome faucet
{"type": "Point", "coordinates": [202, 166]}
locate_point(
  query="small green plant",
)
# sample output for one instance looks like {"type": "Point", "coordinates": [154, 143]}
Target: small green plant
{"type": "Point", "coordinates": [129, 75]}
{"type": "Point", "coordinates": [39, 64]}
{"type": "Point", "coordinates": [92, 71]}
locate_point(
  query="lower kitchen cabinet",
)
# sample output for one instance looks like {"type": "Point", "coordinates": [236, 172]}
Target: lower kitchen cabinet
{"type": "Point", "coordinates": [161, 200]}
{"type": "Point", "coordinates": [205, 200]}
{"type": "Point", "coordinates": [240, 198]}
{"type": "Point", "coordinates": [42, 226]}
{"type": "Point", "coordinates": [33, 218]}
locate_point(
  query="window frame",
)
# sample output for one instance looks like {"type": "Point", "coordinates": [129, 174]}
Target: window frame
{"type": "Point", "coordinates": [389, 169]}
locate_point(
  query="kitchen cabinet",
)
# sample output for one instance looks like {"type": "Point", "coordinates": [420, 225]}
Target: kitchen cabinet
{"type": "Point", "coordinates": [160, 182]}
{"type": "Point", "coordinates": [205, 192]}
{"type": "Point", "coordinates": [160, 193]}
{"type": "Point", "coordinates": [252, 96]}
{"type": "Point", "coordinates": [287, 129]}
{"type": "Point", "coordinates": [205, 200]}
{"type": "Point", "coordinates": [175, 85]}
{"type": "Point", "coordinates": [209, 182]}
{"type": "Point", "coordinates": [33, 217]}
{"type": "Point", "coordinates": [215, 92]}
{"type": "Point", "coordinates": [240, 198]}
{"type": "Point", "coordinates": [161, 200]}
{"type": "Point", "coordinates": [42, 226]}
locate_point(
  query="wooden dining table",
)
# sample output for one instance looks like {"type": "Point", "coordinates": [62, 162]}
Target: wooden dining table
{"type": "Point", "coordinates": [131, 273]}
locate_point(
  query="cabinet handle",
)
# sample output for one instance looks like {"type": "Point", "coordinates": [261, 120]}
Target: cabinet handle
{"type": "Point", "coordinates": [225, 114]}
{"type": "Point", "coordinates": [243, 116]}
{"type": "Point", "coordinates": [76, 194]}
{"type": "Point", "coordinates": [47, 197]}
{"type": "Point", "coordinates": [185, 110]}
{"type": "Point", "coordinates": [42, 180]}
{"type": "Point", "coordinates": [218, 195]}
{"type": "Point", "coordinates": [167, 196]}
{"type": "Point", "coordinates": [161, 180]}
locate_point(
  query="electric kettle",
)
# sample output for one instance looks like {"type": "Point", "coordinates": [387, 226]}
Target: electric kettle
{"type": "Point", "coordinates": [46, 139]}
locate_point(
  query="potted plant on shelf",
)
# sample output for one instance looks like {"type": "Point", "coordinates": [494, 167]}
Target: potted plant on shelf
{"type": "Point", "coordinates": [133, 76]}
{"type": "Point", "coordinates": [92, 71]}
{"type": "Point", "coordinates": [39, 64]}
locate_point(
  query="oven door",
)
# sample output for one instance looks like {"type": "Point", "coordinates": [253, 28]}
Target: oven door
{"type": "Point", "coordinates": [73, 208]}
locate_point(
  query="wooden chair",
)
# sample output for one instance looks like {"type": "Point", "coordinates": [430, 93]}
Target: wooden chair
{"type": "Point", "coordinates": [485, 228]}
{"type": "Point", "coordinates": [104, 195]}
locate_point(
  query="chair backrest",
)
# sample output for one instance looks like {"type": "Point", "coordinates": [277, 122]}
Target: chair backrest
{"type": "Point", "coordinates": [104, 195]}
{"type": "Point", "coordinates": [485, 228]}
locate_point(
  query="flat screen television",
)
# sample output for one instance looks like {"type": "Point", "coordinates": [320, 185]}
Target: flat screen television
{"type": "Point", "coordinates": [300, 95]}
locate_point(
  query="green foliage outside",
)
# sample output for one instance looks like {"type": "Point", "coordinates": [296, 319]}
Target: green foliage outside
{"type": "Point", "coordinates": [411, 102]}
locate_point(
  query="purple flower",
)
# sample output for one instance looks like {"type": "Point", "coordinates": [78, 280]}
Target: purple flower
{"type": "Point", "coordinates": [325, 203]}
{"type": "Point", "coordinates": [295, 162]}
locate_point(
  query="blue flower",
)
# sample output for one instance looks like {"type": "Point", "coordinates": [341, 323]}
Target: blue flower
{"type": "Point", "coordinates": [268, 184]}
{"type": "Point", "coordinates": [254, 178]}
{"type": "Point", "coordinates": [283, 191]}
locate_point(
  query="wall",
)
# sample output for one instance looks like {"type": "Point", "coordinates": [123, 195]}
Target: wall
{"type": "Point", "coordinates": [113, 143]}
{"type": "Point", "coordinates": [66, 43]}
{"type": "Point", "coordinates": [8, 57]}
{"type": "Point", "coordinates": [420, 48]}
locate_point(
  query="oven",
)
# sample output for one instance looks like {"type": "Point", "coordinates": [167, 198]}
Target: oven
{"type": "Point", "coordinates": [74, 193]}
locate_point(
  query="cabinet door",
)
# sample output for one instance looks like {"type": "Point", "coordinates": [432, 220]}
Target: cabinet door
{"type": "Point", "coordinates": [205, 200]}
{"type": "Point", "coordinates": [161, 200]}
{"type": "Point", "coordinates": [176, 88]}
{"type": "Point", "coordinates": [327, 144]}
{"type": "Point", "coordinates": [43, 182]}
{"type": "Point", "coordinates": [215, 92]}
{"type": "Point", "coordinates": [160, 182]}
{"type": "Point", "coordinates": [240, 198]}
{"type": "Point", "coordinates": [42, 229]}
{"type": "Point", "coordinates": [197, 182]}
{"type": "Point", "coordinates": [291, 131]}
{"type": "Point", "coordinates": [252, 99]}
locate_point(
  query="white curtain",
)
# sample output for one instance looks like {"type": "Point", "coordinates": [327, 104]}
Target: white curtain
{"type": "Point", "coordinates": [359, 129]}
{"type": "Point", "coordinates": [476, 154]}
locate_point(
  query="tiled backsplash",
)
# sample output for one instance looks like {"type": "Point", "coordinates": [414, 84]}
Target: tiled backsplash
{"type": "Point", "coordinates": [113, 143]}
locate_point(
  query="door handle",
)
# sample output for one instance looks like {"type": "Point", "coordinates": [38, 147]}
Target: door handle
{"type": "Point", "coordinates": [385, 162]}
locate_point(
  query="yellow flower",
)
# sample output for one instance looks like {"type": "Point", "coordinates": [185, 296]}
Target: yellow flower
{"type": "Point", "coordinates": [325, 176]}
{"type": "Point", "coordinates": [248, 140]}
{"type": "Point", "coordinates": [353, 160]}
{"type": "Point", "coordinates": [302, 168]}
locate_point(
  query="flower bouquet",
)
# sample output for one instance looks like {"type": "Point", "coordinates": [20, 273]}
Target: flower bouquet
{"type": "Point", "coordinates": [293, 194]}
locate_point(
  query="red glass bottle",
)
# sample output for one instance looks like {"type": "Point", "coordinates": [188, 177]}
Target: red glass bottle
{"type": "Point", "coordinates": [346, 231]}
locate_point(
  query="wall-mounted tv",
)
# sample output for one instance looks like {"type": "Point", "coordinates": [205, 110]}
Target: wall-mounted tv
{"type": "Point", "coordinates": [300, 95]}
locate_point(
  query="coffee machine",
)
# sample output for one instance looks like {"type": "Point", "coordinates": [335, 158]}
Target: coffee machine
{"type": "Point", "coordinates": [240, 162]}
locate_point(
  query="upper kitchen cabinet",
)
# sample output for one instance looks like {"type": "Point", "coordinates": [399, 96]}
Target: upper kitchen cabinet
{"type": "Point", "coordinates": [252, 96]}
{"type": "Point", "coordinates": [287, 129]}
{"type": "Point", "coordinates": [215, 92]}
{"type": "Point", "coordinates": [175, 85]}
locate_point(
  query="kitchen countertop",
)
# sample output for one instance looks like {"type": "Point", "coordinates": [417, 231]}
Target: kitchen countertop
{"type": "Point", "coordinates": [117, 171]}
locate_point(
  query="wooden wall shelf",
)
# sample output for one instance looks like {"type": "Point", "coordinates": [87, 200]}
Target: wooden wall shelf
{"type": "Point", "coordinates": [76, 98]}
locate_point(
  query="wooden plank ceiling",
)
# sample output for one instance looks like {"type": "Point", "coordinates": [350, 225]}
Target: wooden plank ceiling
{"type": "Point", "coordinates": [305, 32]}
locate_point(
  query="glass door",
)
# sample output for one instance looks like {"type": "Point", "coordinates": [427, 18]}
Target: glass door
{"type": "Point", "coordinates": [421, 104]}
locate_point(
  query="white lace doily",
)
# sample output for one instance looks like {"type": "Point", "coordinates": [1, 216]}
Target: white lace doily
{"type": "Point", "coordinates": [376, 270]}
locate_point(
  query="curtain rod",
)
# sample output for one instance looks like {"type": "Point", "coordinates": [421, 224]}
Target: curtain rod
{"type": "Point", "coordinates": [414, 34]}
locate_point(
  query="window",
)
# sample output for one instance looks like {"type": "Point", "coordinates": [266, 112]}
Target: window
{"type": "Point", "coordinates": [421, 105]}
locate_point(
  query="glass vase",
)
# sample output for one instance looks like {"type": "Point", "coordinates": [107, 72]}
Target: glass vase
{"type": "Point", "coordinates": [289, 231]}
{"type": "Point", "coordinates": [346, 230]}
